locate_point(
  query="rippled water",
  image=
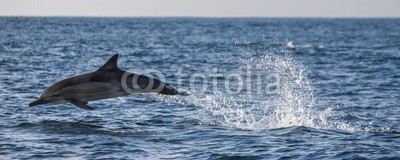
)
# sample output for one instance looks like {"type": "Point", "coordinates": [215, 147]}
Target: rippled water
{"type": "Point", "coordinates": [337, 92]}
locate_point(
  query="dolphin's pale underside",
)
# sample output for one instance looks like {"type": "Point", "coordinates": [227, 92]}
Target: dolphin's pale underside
{"type": "Point", "coordinates": [102, 84]}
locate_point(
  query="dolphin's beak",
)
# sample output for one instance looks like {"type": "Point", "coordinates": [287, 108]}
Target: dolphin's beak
{"type": "Point", "coordinates": [37, 102]}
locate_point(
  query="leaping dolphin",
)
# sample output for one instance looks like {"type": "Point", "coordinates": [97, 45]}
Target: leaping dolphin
{"type": "Point", "coordinates": [107, 82]}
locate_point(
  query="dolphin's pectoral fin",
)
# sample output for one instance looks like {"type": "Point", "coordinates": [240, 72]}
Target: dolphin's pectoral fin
{"type": "Point", "coordinates": [79, 103]}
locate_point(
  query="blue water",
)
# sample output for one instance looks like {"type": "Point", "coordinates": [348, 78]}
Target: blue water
{"type": "Point", "coordinates": [335, 93]}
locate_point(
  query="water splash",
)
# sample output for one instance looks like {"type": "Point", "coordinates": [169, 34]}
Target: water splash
{"type": "Point", "coordinates": [292, 104]}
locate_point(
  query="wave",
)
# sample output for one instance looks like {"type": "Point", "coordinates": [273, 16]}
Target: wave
{"type": "Point", "coordinates": [62, 127]}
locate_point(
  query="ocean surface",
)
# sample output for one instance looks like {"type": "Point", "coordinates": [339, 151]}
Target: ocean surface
{"type": "Point", "coordinates": [260, 88]}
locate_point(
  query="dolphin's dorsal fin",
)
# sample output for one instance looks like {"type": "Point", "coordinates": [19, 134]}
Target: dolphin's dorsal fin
{"type": "Point", "coordinates": [111, 64]}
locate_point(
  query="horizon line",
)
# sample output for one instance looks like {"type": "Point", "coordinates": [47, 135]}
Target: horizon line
{"type": "Point", "coordinates": [94, 16]}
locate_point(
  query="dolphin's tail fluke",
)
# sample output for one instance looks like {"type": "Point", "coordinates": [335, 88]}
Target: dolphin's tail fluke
{"type": "Point", "coordinates": [168, 90]}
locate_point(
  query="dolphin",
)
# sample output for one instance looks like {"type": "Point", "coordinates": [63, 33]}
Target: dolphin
{"type": "Point", "coordinates": [109, 81]}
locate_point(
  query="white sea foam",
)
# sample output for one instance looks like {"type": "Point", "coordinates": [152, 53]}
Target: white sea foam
{"type": "Point", "coordinates": [290, 45]}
